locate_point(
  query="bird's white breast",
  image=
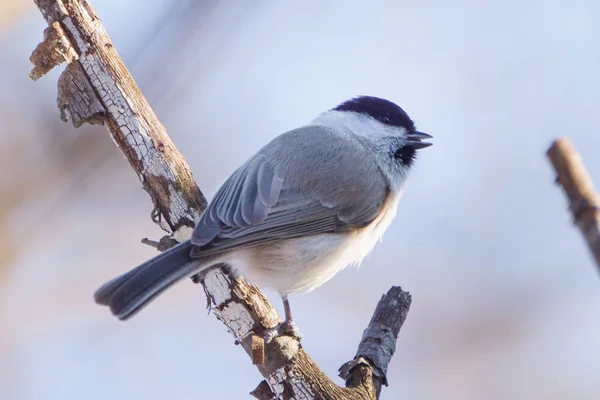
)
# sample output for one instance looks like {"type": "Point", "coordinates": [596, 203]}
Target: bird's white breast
{"type": "Point", "coordinates": [302, 264]}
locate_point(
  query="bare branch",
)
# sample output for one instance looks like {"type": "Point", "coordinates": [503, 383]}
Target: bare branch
{"type": "Point", "coordinates": [378, 343]}
{"type": "Point", "coordinates": [96, 87]}
{"type": "Point", "coordinates": [579, 189]}
{"type": "Point", "coordinates": [100, 84]}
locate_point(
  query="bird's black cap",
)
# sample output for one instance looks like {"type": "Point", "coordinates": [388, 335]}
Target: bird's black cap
{"type": "Point", "coordinates": [382, 110]}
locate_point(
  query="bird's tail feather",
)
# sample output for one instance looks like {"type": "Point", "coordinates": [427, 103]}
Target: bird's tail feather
{"type": "Point", "coordinates": [128, 293]}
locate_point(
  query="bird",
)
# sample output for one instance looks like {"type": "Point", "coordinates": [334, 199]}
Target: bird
{"type": "Point", "coordinates": [311, 202]}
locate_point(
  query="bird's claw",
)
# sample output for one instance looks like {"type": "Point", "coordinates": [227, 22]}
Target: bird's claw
{"type": "Point", "coordinates": [287, 328]}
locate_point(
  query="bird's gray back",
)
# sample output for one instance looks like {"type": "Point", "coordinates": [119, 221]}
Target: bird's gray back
{"type": "Point", "coordinates": [328, 165]}
{"type": "Point", "coordinates": [310, 180]}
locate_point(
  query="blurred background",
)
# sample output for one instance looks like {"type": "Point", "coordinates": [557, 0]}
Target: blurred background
{"type": "Point", "coordinates": [505, 295]}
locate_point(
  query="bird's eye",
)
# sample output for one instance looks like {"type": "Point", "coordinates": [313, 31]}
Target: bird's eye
{"type": "Point", "coordinates": [385, 120]}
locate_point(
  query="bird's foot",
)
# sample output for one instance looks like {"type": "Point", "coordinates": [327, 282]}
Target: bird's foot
{"type": "Point", "coordinates": [287, 328]}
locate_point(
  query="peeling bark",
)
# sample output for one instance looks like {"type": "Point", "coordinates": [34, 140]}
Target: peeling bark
{"type": "Point", "coordinates": [76, 98]}
{"type": "Point", "coordinates": [96, 87]}
{"type": "Point", "coordinates": [100, 79]}
{"type": "Point", "coordinates": [55, 49]}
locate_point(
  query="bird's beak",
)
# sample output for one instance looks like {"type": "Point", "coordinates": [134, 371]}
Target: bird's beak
{"type": "Point", "coordinates": [415, 138]}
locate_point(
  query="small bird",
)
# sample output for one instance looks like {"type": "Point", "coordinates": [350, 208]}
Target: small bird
{"type": "Point", "coordinates": [311, 202]}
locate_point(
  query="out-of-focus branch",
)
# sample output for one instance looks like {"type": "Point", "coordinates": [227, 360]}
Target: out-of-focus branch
{"type": "Point", "coordinates": [12, 10]}
{"type": "Point", "coordinates": [96, 87]}
{"type": "Point", "coordinates": [579, 189]}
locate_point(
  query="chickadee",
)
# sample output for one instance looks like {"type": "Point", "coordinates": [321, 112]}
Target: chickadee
{"type": "Point", "coordinates": [311, 202]}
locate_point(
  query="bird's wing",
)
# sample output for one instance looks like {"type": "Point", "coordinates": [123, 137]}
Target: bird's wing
{"type": "Point", "coordinates": [308, 181]}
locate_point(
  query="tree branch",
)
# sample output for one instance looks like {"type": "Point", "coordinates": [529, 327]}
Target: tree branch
{"type": "Point", "coordinates": [579, 189]}
{"type": "Point", "coordinates": [96, 87]}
